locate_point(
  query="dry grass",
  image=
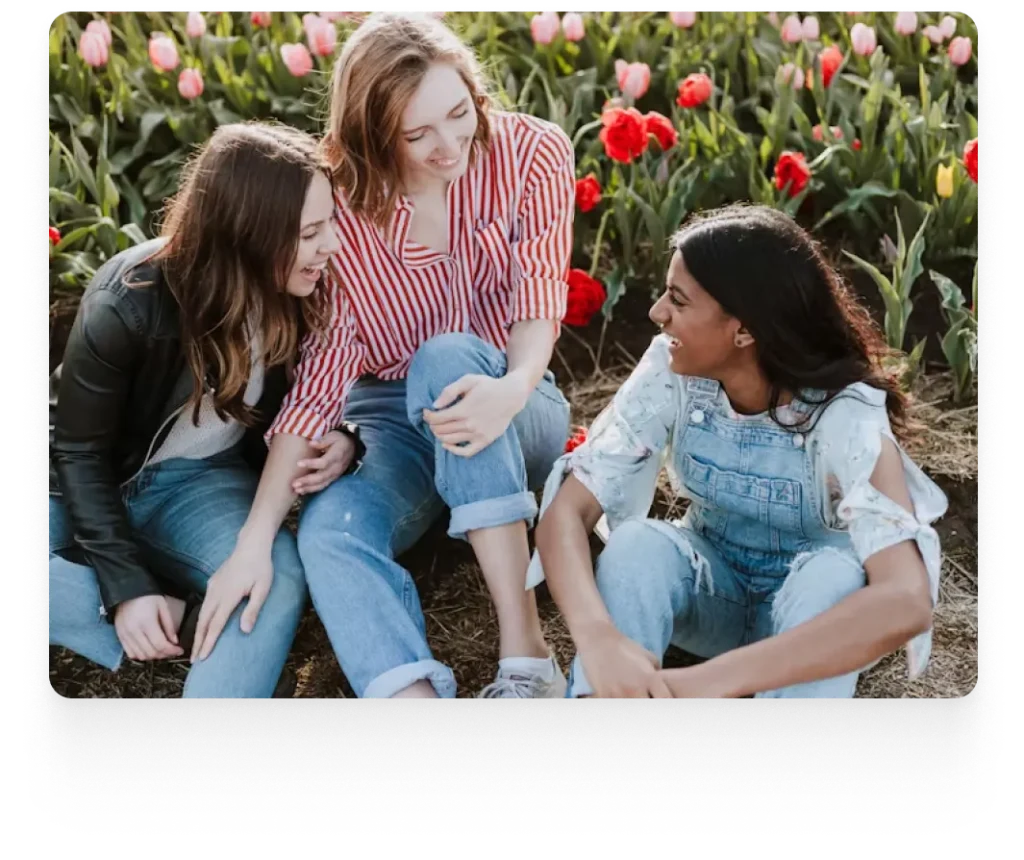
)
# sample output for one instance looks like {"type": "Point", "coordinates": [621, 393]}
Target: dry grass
{"type": "Point", "coordinates": [461, 624]}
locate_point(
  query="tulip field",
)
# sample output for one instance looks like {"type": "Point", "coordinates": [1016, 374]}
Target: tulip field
{"type": "Point", "coordinates": [863, 126]}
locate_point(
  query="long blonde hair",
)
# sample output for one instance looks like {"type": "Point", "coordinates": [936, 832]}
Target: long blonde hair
{"type": "Point", "coordinates": [377, 73]}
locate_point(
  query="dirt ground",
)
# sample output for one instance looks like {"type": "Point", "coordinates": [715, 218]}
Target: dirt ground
{"type": "Point", "coordinates": [461, 624]}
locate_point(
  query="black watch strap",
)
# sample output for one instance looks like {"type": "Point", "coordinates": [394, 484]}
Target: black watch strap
{"type": "Point", "coordinates": [352, 431]}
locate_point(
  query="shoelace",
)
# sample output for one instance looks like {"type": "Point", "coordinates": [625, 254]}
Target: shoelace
{"type": "Point", "coordinates": [503, 687]}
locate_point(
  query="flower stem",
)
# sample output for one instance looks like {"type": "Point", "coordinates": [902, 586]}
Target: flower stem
{"type": "Point", "coordinates": [597, 242]}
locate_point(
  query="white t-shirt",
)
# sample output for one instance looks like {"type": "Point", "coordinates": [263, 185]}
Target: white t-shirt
{"type": "Point", "coordinates": [212, 435]}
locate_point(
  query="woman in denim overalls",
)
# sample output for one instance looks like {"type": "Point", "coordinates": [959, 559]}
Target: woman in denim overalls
{"type": "Point", "coordinates": [806, 553]}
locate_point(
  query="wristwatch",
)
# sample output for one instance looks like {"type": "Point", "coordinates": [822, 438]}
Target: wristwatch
{"type": "Point", "coordinates": [352, 431]}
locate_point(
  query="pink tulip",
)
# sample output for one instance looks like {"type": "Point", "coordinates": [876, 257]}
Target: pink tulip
{"type": "Point", "coordinates": [190, 83]}
{"type": "Point", "coordinates": [93, 50]}
{"type": "Point", "coordinates": [572, 26]}
{"type": "Point", "coordinates": [863, 39]}
{"type": "Point", "coordinates": [773, 19]}
{"type": "Point", "coordinates": [103, 28]}
{"type": "Point", "coordinates": [947, 26]}
{"type": "Point", "coordinates": [195, 25]}
{"type": "Point", "coordinates": [792, 30]}
{"type": "Point", "coordinates": [163, 53]}
{"type": "Point", "coordinates": [332, 16]}
{"type": "Point", "coordinates": [960, 50]}
{"type": "Point", "coordinates": [633, 78]}
{"type": "Point", "coordinates": [811, 28]}
{"type": "Point", "coordinates": [906, 23]}
{"type": "Point", "coordinates": [260, 19]}
{"type": "Point", "coordinates": [683, 19]}
{"type": "Point", "coordinates": [934, 34]}
{"type": "Point", "coordinates": [310, 21]}
{"type": "Point", "coordinates": [791, 74]}
{"type": "Point", "coordinates": [544, 27]}
{"type": "Point", "coordinates": [297, 59]}
{"type": "Point", "coordinates": [321, 34]}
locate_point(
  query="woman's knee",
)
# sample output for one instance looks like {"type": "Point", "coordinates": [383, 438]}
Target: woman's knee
{"type": "Point", "coordinates": [817, 581]}
{"type": "Point", "coordinates": [442, 360]}
{"type": "Point", "coordinates": [642, 562]}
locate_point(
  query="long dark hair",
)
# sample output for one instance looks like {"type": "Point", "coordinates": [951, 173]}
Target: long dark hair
{"type": "Point", "coordinates": [232, 236]}
{"type": "Point", "coordinates": [810, 331]}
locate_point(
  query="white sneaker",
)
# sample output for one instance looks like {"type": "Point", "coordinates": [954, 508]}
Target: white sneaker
{"type": "Point", "coordinates": [526, 678]}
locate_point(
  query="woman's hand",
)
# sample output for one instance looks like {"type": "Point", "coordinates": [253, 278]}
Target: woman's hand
{"type": "Point", "coordinates": [617, 667]}
{"type": "Point", "coordinates": [248, 572]}
{"type": "Point", "coordinates": [694, 682]}
{"type": "Point", "coordinates": [145, 628]}
{"type": "Point", "coordinates": [336, 452]}
{"type": "Point", "coordinates": [485, 411]}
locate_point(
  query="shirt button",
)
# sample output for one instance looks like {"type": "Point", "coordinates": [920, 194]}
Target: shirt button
{"type": "Point", "coordinates": [798, 440]}
{"type": "Point", "coordinates": [697, 416]}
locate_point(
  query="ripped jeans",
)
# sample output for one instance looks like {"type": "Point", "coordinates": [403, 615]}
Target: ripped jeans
{"type": "Point", "coordinates": [665, 584]}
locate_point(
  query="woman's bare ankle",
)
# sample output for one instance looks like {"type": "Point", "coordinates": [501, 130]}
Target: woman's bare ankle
{"type": "Point", "coordinates": [421, 689]}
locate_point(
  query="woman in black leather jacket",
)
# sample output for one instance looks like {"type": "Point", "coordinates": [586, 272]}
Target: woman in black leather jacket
{"type": "Point", "coordinates": [177, 362]}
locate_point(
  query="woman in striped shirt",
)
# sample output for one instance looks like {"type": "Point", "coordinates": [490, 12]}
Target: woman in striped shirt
{"type": "Point", "coordinates": [455, 229]}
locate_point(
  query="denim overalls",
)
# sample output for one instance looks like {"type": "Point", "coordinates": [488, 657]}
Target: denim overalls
{"type": "Point", "coordinates": [751, 558]}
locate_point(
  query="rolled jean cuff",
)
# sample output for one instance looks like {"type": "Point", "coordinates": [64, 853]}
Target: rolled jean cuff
{"type": "Point", "coordinates": [395, 680]}
{"type": "Point", "coordinates": [492, 512]}
{"type": "Point", "coordinates": [578, 683]}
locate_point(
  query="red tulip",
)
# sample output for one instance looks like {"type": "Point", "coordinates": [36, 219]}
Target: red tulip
{"type": "Point", "coordinates": [623, 134]}
{"type": "Point", "coordinates": [577, 439]}
{"type": "Point", "coordinates": [662, 129]}
{"type": "Point", "coordinates": [694, 90]}
{"type": "Point", "coordinates": [588, 193]}
{"type": "Point", "coordinates": [971, 158]}
{"type": "Point", "coordinates": [586, 297]}
{"type": "Point", "coordinates": [792, 168]}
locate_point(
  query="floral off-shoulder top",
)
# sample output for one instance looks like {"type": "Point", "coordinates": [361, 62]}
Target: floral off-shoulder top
{"type": "Point", "coordinates": [631, 441]}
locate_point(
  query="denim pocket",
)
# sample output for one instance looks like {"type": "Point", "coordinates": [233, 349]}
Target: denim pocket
{"type": "Point", "coordinates": [774, 502]}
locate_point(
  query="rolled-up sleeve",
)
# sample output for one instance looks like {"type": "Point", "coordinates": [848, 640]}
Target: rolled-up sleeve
{"type": "Point", "coordinates": [874, 521]}
{"type": "Point", "coordinates": [541, 255]}
{"type": "Point", "coordinates": [329, 364]}
{"type": "Point", "coordinates": [622, 457]}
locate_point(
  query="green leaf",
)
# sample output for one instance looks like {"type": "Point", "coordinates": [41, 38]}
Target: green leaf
{"type": "Point", "coordinates": [974, 292]}
{"type": "Point", "coordinates": [133, 232]}
{"type": "Point", "coordinates": [84, 171]}
{"type": "Point", "coordinates": [625, 232]}
{"type": "Point", "coordinates": [854, 200]}
{"type": "Point", "coordinates": [894, 308]}
{"type": "Point", "coordinates": [615, 286]}
{"type": "Point", "coordinates": [223, 115]}
{"type": "Point", "coordinates": [655, 226]}
{"type": "Point", "coordinates": [952, 296]}
{"type": "Point", "coordinates": [913, 267]}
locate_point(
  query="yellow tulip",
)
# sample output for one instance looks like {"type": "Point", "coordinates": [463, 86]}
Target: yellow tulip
{"type": "Point", "coordinates": [944, 181]}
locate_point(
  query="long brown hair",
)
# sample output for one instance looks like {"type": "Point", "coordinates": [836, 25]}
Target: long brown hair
{"type": "Point", "coordinates": [232, 234]}
{"type": "Point", "coordinates": [377, 73]}
{"type": "Point", "coordinates": [809, 330]}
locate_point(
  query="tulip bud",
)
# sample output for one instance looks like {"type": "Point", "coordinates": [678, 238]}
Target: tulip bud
{"type": "Point", "coordinates": [944, 181]}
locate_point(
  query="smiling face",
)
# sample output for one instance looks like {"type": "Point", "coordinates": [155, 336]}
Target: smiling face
{"type": "Point", "coordinates": [317, 240]}
{"type": "Point", "coordinates": [705, 339]}
{"type": "Point", "coordinates": [437, 127]}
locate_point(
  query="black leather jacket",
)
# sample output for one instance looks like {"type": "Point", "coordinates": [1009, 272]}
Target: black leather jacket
{"type": "Point", "coordinates": [112, 401]}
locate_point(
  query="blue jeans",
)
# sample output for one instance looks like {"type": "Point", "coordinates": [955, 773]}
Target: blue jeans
{"type": "Point", "coordinates": [350, 533]}
{"type": "Point", "coordinates": [667, 584]}
{"type": "Point", "coordinates": [186, 514]}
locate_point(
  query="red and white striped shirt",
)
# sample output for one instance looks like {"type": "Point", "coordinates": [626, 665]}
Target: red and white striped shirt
{"type": "Point", "coordinates": [510, 239]}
